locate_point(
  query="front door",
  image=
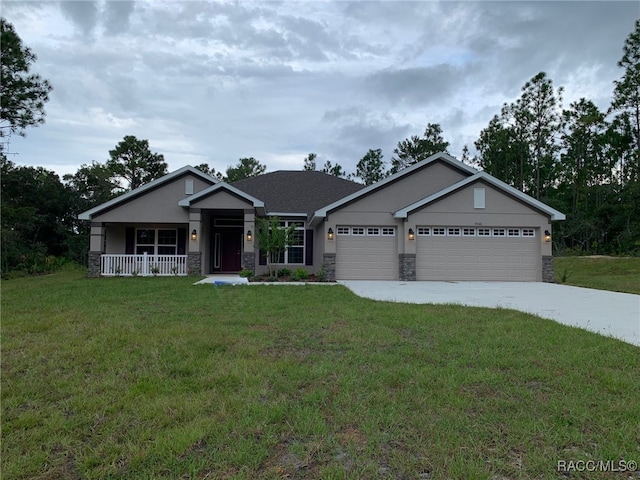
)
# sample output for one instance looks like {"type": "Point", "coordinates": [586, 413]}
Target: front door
{"type": "Point", "coordinates": [227, 249]}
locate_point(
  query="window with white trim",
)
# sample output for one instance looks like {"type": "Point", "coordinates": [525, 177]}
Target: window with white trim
{"type": "Point", "coordinates": [439, 231]}
{"type": "Point", "coordinates": [468, 232]}
{"type": "Point", "coordinates": [343, 230]}
{"type": "Point", "coordinates": [453, 231]}
{"type": "Point", "coordinates": [388, 231]}
{"type": "Point", "coordinates": [499, 232]}
{"type": "Point", "coordinates": [373, 231]}
{"type": "Point", "coordinates": [424, 231]}
{"type": "Point", "coordinates": [513, 232]}
{"type": "Point", "coordinates": [357, 231]}
{"type": "Point", "coordinates": [484, 232]}
{"type": "Point", "coordinates": [528, 232]}
{"type": "Point", "coordinates": [294, 254]}
{"type": "Point", "coordinates": [160, 241]}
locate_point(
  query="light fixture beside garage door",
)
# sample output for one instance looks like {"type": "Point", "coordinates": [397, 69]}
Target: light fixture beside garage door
{"type": "Point", "coordinates": [412, 235]}
{"type": "Point", "coordinates": [547, 236]}
{"type": "Point", "coordinates": [330, 233]}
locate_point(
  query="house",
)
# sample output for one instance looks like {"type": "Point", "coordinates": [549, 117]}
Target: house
{"type": "Point", "coordinates": [438, 219]}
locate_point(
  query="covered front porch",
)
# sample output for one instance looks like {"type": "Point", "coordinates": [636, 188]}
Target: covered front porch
{"type": "Point", "coordinates": [145, 265]}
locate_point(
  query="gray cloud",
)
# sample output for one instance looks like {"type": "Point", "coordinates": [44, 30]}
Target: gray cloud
{"type": "Point", "coordinates": [117, 16]}
{"type": "Point", "coordinates": [218, 81]}
{"type": "Point", "coordinates": [84, 14]}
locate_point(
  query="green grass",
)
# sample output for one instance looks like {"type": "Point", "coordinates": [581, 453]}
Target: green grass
{"type": "Point", "coordinates": [153, 378]}
{"type": "Point", "coordinates": [618, 274]}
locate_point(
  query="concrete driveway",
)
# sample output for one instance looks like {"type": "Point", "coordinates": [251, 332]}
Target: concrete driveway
{"type": "Point", "coordinates": [607, 313]}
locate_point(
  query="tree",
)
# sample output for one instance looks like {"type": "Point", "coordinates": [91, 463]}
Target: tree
{"type": "Point", "coordinates": [132, 161]}
{"type": "Point", "coordinates": [36, 217]}
{"type": "Point", "coordinates": [22, 94]}
{"type": "Point", "coordinates": [370, 168]}
{"type": "Point", "coordinates": [626, 94]}
{"type": "Point", "coordinates": [335, 170]}
{"type": "Point", "coordinates": [539, 107]}
{"type": "Point", "coordinates": [205, 168]}
{"type": "Point", "coordinates": [310, 162]}
{"type": "Point", "coordinates": [245, 168]}
{"type": "Point", "coordinates": [415, 149]}
{"type": "Point", "coordinates": [92, 185]}
{"type": "Point", "coordinates": [273, 239]}
{"type": "Point", "coordinates": [521, 145]}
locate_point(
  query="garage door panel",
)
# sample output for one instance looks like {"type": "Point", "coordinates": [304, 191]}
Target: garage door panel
{"type": "Point", "coordinates": [477, 258]}
{"type": "Point", "coordinates": [366, 257]}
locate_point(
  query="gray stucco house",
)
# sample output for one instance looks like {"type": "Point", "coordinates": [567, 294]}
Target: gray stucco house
{"type": "Point", "coordinates": [436, 220]}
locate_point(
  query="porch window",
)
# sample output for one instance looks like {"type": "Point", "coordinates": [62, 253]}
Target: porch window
{"type": "Point", "coordinates": [160, 241]}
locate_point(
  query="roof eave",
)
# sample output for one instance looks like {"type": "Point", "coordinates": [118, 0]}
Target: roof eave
{"type": "Point", "coordinates": [88, 215]}
{"type": "Point", "coordinates": [322, 213]}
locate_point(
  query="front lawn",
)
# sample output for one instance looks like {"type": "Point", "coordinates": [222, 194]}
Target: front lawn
{"type": "Point", "coordinates": [618, 274]}
{"type": "Point", "coordinates": [154, 378]}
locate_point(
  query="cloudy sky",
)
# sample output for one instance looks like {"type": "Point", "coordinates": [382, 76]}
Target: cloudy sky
{"type": "Point", "coordinates": [211, 82]}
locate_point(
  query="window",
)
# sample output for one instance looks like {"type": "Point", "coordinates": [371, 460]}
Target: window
{"type": "Point", "coordinates": [438, 231]}
{"type": "Point", "coordinates": [453, 232]}
{"type": "Point", "coordinates": [156, 241]}
{"type": "Point", "coordinates": [343, 230]}
{"type": "Point", "coordinates": [484, 232]}
{"type": "Point", "coordinates": [528, 232]}
{"type": "Point", "coordinates": [358, 231]}
{"type": "Point", "coordinates": [388, 232]}
{"type": "Point", "coordinates": [499, 232]}
{"type": "Point", "coordinates": [295, 252]}
{"type": "Point", "coordinates": [373, 231]}
{"type": "Point", "coordinates": [513, 232]}
{"type": "Point", "coordinates": [469, 232]}
{"type": "Point", "coordinates": [423, 231]}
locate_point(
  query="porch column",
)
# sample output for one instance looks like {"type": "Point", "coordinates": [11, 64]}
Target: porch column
{"type": "Point", "coordinates": [548, 275]}
{"type": "Point", "coordinates": [194, 252]}
{"type": "Point", "coordinates": [407, 251]}
{"type": "Point", "coordinates": [96, 248]}
{"type": "Point", "coordinates": [248, 250]}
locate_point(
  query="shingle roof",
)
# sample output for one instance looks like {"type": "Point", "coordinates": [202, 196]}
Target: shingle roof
{"type": "Point", "coordinates": [287, 191]}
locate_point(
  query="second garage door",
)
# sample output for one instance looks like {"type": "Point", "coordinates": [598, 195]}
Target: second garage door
{"type": "Point", "coordinates": [366, 253]}
{"type": "Point", "coordinates": [477, 253]}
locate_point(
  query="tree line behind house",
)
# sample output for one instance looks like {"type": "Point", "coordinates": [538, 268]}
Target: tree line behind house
{"type": "Point", "coordinates": [580, 160]}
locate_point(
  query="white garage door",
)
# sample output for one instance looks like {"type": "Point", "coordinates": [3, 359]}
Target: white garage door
{"type": "Point", "coordinates": [477, 253]}
{"type": "Point", "coordinates": [366, 253]}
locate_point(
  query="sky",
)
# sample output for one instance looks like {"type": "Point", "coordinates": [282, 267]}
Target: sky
{"type": "Point", "coordinates": [212, 82]}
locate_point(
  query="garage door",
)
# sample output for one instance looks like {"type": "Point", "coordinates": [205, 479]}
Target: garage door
{"type": "Point", "coordinates": [366, 253]}
{"type": "Point", "coordinates": [477, 253]}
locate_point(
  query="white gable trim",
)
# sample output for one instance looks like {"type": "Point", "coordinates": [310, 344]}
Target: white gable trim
{"type": "Point", "coordinates": [552, 212]}
{"type": "Point", "coordinates": [188, 201]}
{"type": "Point", "coordinates": [322, 213]}
{"type": "Point", "coordinates": [88, 215]}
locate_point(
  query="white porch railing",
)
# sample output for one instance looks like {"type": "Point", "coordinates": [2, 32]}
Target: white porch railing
{"type": "Point", "coordinates": [145, 265]}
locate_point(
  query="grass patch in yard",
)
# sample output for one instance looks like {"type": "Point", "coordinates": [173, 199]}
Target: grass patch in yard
{"type": "Point", "coordinates": [155, 378]}
{"type": "Point", "coordinates": [618, 274]}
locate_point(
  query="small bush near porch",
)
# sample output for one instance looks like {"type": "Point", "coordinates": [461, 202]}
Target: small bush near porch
{"type": "Point", "coordinates": [155, 378]}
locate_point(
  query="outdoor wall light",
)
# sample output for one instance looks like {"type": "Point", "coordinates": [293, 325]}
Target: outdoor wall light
{"type": "Point", "coordinates": [330, 234]}
{"type": "Point", "coordinates": [249, 236]}
{"type": "Point", "coordinates": [547, 236]}
{"type": "Point", "coordinates": [194, 235]}
{"type": "Point", "coordinates": [412, 235]}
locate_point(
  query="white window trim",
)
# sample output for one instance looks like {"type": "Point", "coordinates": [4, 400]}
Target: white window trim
{"type": "Point", "coordinates": [155, 245]}
{"type": "Point", "coordinates": [424, 231]}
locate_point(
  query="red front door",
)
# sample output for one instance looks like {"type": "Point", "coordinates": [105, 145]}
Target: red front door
{"type": "Point", "coordinates": [227, 250]}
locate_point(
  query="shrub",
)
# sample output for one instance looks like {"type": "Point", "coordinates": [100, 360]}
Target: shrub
{"type": "Point", "coordinates": [245, 273]}
{"type": "Point", "coordinates": [301, 274]}
{"type": "Point", "coordinates": [284, 272]}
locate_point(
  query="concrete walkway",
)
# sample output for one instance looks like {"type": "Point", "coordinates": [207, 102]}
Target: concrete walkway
{"type": "Point", "coordinates": [607, 313]}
